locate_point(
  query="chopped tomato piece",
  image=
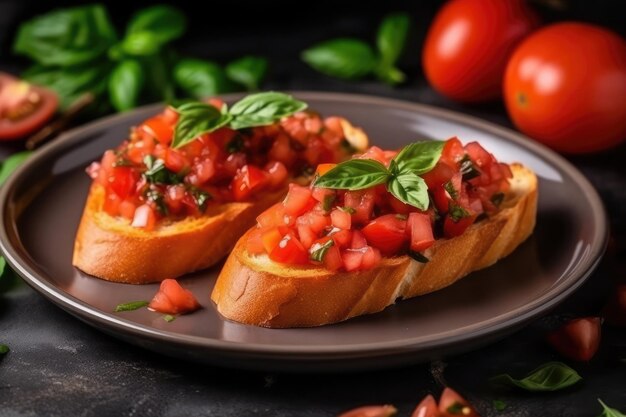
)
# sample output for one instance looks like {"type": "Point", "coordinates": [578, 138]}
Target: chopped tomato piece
{"type": "Point", "coordinates": [159, 128]}
{"type": "Point", "coordinates": [387, 233]}
{"type": "Point", "coordinates": [420, 231]}
{"type": "Point", "coordinates": [122, 181]}
{"type": "Point", "coordinates": [306, 235]}
{"type": "Point", "coordinates": [276, 173]}
{"type": "Point", "coordinates": [479, 155]}
{"type": "Point", "coordinates": [452, 152]}
{"type": "Point", "coordinates": [352, 259]}
{"type": "Point", "coordinates": [453, 228]}
{"type": "Point", "coordinates": [270, 238]}
{"type": "Point", "coordinates": [343, 238]}
{"type": "Point", "coordinates": [451, 404]}
{"type": "Point", "coordinates": [144, 217]}
{"type": "Point", "coordinates": [298, 200]}
{"type": "Point", "coordinates": [254, 243]}
{"type": "Point", "coordinates": [371, 258]}
{"type": "Point", "coordinates": [247, 179]}
{"type": "Point", "coordinates": [332, 259]}
{"type": "Point", "coordinates": [363, 204]}
{"type": "Point", "coordinates": [290, 251]}
{"type": "Point", "coordinates": [439, 175]}
{"type": "Point", "coordinates": [341, 219]}
{"type": "Point", "coordinates": [324, 168]}
{"type": "Point", "coordinates": [376, 154]}
{"type": "Point", "coordinates": [127, 209]}
{"type": "Point", "coordinates": [578, 339]}
{"type": "Point", "coordinates": [426, 408]}
{"type": "Point", "coordinates": [173, 299]}
{"type": "Point", "coordinates": [358, 240]}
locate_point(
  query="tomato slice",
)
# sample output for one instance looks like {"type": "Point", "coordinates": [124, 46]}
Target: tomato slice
{"type": "Point", "coordinates": [173, 299]}
{"type": "Point", "coordinates": [371, 411]}
{"type": "Point", "coordinates": [451, 404]}
{"type": "Point", "coordinates": [426, 408]}
{"type": "Point", "coordinates": [578, 339]}
{"type": "Point", "coordinates": [24, 108]}
{"type": "Point", "coordinates": [387, 233]}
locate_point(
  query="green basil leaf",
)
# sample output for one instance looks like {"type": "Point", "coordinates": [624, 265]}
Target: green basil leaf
{"type": "Point", "coordinates": [125, 85]}
{"type": "Point", "coordinates": [169, 318]}
{"type": "Point", "coordinates": [133, 305]}
{"type": "Point", "coordinates": [551, 376]}
{"type": "Point", "coordinates": [608, 411]}
{"type": "Point", "coordinates": [197, 119]}
{"type": "Point", "coordinates": [200, 197]}
{"type": "Point", "coordinates": [71, 82]}
{"type": "Point", "coordinates": [66, 37]}
{"type": "Point", "coordinates": [419, 157]}
{"type": "Point", "coordinates": [3, 264]}
{"type": "Point", "coordinates": [4, 349]}
{"type": "Point", "coordinates": [410, 189]}
{"type": "Point", "coordinates": [262, 109]}
{"type": "Point", "coordinates": [499, 405]}
{"type": "Point", "coordinates": [166, 23]}
{"type": "Point", "coordinates": [342, 58]}
{"type": "Point", "coordinates": [200, 79]}
{"type": "Point", "coordinates": [248, 71]}
{"type": "Point", "coordinates": [159, 76]}
{"type": "Point", "coordinates": [141, 44]}
{"type": "Point", "coordinates": [11, 163]}
{"type": "Point", "coordinates": [319, 251]}
{"type": "Point", "coordinates": [355, 174]}
{"type": "Point", "coordinates": [390, 40]}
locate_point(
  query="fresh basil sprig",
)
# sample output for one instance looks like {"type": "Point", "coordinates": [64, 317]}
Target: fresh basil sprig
{"type": "Point", "coordinates": [402, 177]}
{"type": "Point", "coordinates": [4, 349]}
{"type": "Point", "coordinates": [196, 118]}
{"type": "Point", "coordinates": [248, 71]}
{"type": "Point", "coordinates": [350, 58]}
{"type": "Point", "coordinates": [608, 411]}
{"type": "Point", "coordinates": [551, 376]}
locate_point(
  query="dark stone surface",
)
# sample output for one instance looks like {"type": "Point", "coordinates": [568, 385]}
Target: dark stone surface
{"type": "Point", "coordinates": [59, 366]}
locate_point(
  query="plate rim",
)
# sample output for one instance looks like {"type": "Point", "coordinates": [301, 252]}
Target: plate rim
{"type": "Point", "coordinates": [510, 319]}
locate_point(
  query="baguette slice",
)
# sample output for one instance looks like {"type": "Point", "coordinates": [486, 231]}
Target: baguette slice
{"type": "Point", "coordinates": [252, 289]}
{"type": "Point", "coordinates": [110, 248]}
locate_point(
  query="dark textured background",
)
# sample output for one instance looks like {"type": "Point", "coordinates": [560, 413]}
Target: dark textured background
{"type": "Point", "coordinates": [60, 367]}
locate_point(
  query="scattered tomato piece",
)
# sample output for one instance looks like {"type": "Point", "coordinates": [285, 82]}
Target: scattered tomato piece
{"type": "Point", "coordinates": [578, 339]}
{"type": "Point", "coordinates": [371, 411]}
{"type": "Point", "coordinates": [173, 299]}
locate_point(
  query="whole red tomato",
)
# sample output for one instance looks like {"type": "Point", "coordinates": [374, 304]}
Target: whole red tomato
{"type": "Point", "coordinates": [469, 43]}
{"type": "Point", "coordinates": [565, 86]}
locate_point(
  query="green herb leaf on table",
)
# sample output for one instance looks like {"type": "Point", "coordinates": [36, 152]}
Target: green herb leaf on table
{"type": "Point", "coordinates": [410, 188]}
{"type": "Point", "coordinates": [499, 405]}
{"type": "Point", "coordinates": [125, 84]}
{"type": "Point", "coordinates": [169, 318]}
{"type": "Point", "coordinates": [4, 349]}
{"type": "Point", "coordinates": [131, 306]}
{"type": "Point", "coordinates": [390, 40]}
{"type": "Point", "coordinates": [248, 71]}
{"type": "Point", "coordinates": [11, 164]}
{"type": "Point", "coordinates": [66, 37]}
{"type": "Point", "coordinates": [166, 23]}
{"type": "Point", "coordinates": [262, 109]}
{"type": "Point", "coordinates": [355, 174]}
{"type": "Point", "coordinates": [195, 120]}
{"type": "Point", "coordinates": [200, 79]}
{"type": "Point", "coordinates": [551, 376]}
{"type": "Point", "coordinates": [608, 411]}
{"type": "Point", "coordinates": [419, 157]}
{"type": "Point", "coordinates": [342, 58]}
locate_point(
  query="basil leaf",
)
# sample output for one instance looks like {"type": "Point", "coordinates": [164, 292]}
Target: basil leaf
{"type": "Point", "coordinates": [11, 163]}
{"type": "Point", "coordinates": [200, 197]}
{"type": "Point", "coordinates": [419, 157]}
{"type": "Point", "coordinates": [133, 305]}
{"type": "Point", "coordinates": [71, 82]}
{"type": "Point", "coordinates": [248, 71]}
{"type": "Point", "coordinates": [499, 405]}
{"type": "Point", "coordinates": [143, 43]}
{"type": "Point", "coordinates": [166, 23]}
{"type": "Point", "coordinates": [355, 174]}
{"type": "Point", "coordinates": [125, 84]}
{"type": "Point", "coordinates": [197, 119]}
{"type": "Point", "coordinates": [551, 376]}
{"type": "Point", "coordinates": [262, 109]}
{"type": "Point", "coordinates": [319, 251]}
{"type": "Point", "coordinates": [169, 318]}
{"type": "Point", "coordinates": [200, 79]}
{"type": "Point", "coordinates": [410, 189]}
{"type": "Point", "coordinates": [158, 74]}
{"type": "Point", "coordinates": [608, 411]}
{"type": "Point", "coordinates": [3, 264]}
{"type": "Point", "coordinates": [342, 58]}
{"type": "Point", "coordinates": [4, 349]}
{"type": "Point", "coordinates": [390, 40]}
{"type": "Point", "coordinates": [457, 213]}
{"type": "Point", "coordinates": [66, 37]}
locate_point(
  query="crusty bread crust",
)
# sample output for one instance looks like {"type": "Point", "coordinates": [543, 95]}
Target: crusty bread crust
{"type": "Point", "coordinates": [254, 290]}
{"type": "Point", "coordinates": [110, 248]}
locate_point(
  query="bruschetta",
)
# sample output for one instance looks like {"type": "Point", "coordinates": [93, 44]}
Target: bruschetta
{"type": "Point", "coordinates": [177, 194]}
{"type": "Point", "coordinates": [375, 229]}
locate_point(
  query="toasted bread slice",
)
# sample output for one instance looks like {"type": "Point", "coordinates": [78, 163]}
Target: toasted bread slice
{"type": "Point", "coordinates": [253, 289]}
{"type": "Point", "coordinates": [110, 248]}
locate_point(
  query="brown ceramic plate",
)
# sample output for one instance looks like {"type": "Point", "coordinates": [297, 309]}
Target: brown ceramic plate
{"type": "Point", "coordinates": [41, 205]}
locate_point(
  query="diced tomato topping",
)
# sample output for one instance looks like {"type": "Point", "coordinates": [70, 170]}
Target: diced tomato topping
{"type": "Point", "coordinates": [290, 251]}
{"type": "Point", "coordinates": [298, 200]}
{"type": "Point", "coordinates": [127, 209]}
{"type": "Point", "coordinates": [352, 258]}
{"type": "Point", "coordinates": [362, 202]}
{"type": "Point", "coordinates": [420, 231]}
{"type": "Point", "coordinates": [332, 259]}
{"type": "Point", "coordinates": [479, 155]}
{"type": "Point", "coordinates": [270, 238]}
{"type": "Point", "coordinates": [452, 152]}
{"type": "Point", "coordinates": [173, 299]}
{"type": "Point", "coordinates": [439, 175]}
{"type": "Point", "coordinates": [358, 240]}
{"type": "Point", "coordinates": [159, 128]}
{"type": "Point", "coordinates": [247, 179]}
{"type": "Point", "coordinates": [387, 233]}
{"type": "Point", "coordinates": [144, 217]}
{"type": "Point", "coordinates": [254, 243]}
{"type": "Point", "coordinates": [276, 173]}
{"type": "Point", "coordinates": [452, 228]}
{"type": "Point", "coordinates": [324, 168]}
{"type": "Point", "coordinates": [376, 154]}
{"type": "Point", "coordinates": [371, 258]}
{"type": "Point", "coordinates": [341, 219]}
{"type": "Point", "coordinates": [342, 238]}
